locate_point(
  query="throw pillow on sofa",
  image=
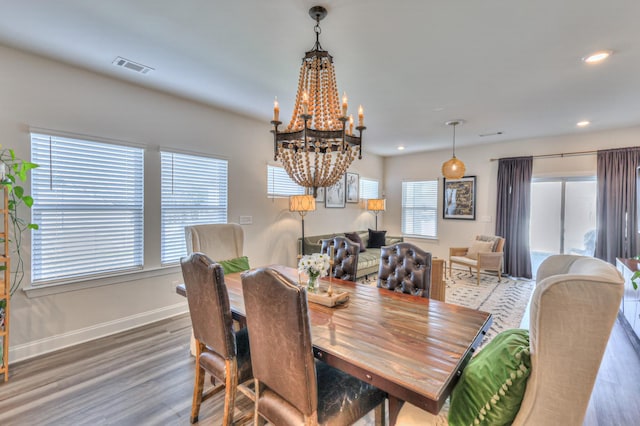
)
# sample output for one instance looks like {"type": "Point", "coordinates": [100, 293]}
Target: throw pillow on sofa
{"type": "Point", "coordinates": [376, 238]}
{"type": "Point", "coordinates": [353, 236]}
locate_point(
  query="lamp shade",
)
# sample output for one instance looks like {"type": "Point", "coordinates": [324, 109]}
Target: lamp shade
{"type": "Point", "coordinates": [302, 203]}
{"type": "Point", "coordinates": [376, 204]}
{"type": "Point", "coordinates": [453, 169]}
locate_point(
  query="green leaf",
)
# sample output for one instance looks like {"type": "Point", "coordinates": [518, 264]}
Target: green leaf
{"type": "Point", "coordinates": [22, 173]}
{"type": "Point", "coordinates": [33, 226]}
{"type": "Point", "coordinates": [13, 154]}
{"type": "Point", "coordinates": [28, 200]}
{"type": "Point", "coordinates": [28, 165]}
{"type": "Point", "coordinates": [19, 191]}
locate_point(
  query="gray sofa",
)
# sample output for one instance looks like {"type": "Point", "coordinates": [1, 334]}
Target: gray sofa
{"type": "Point", "coordinates": [368, 260]}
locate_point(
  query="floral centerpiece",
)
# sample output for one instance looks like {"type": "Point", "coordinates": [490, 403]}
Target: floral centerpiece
{"type": "Point", "coordinates": [314, 265]}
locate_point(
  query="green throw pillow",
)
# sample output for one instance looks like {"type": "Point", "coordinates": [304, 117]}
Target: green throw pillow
{"type": "Point", "coordinates": [238, 264]}
{"type": "Point", "coordinates": [492, 385]}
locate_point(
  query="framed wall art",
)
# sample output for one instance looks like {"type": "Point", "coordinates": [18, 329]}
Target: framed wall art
{"type": "Point", "coordinates": [459, 198]}
{"type": "Point", "coordinates": [353, 187]}
{"type": "Point", "coordinates": [335, 195]}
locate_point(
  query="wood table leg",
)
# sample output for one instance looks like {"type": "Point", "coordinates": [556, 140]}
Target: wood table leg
{"type": "Point", "coordinates": [395, 405]}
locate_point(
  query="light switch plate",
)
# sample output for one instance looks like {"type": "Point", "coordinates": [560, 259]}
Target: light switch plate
{"type": "Point", "coordinates": [246, 220]}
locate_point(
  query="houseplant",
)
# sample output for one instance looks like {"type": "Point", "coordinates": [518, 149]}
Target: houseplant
{"type": "Point", "coordinates": [14, 171]}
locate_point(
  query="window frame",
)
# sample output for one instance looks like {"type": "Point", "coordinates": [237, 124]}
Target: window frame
{"type": "Point", "coordinates": [216, 169]}
{"type": "Point", "coordinates": [81, 193]}
{"type": "Point", "coordinates": [431, 209]}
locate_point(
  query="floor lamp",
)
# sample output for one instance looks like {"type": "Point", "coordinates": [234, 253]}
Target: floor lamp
{"type": "Point", "coordinates": [376, 205]}
{"type": "Point", "coordinates": [302, 204]}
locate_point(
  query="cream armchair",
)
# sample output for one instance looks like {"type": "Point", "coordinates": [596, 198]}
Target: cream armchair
{"type": "Point", "coordinates": [485, 253]}
{"type": "Point", "coordinates": [573, 309]}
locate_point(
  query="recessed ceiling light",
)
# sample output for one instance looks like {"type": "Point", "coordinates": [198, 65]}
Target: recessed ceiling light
{"type": "Point", "coordinates": [583, 123]}
{"type": "Point", "coordinates": [597, 57]}
{"type": "Point", "coordinates": [401, 148]}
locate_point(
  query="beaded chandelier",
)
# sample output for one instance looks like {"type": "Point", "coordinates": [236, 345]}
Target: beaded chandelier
{"type": "Point", "coordinates": [318, 145]}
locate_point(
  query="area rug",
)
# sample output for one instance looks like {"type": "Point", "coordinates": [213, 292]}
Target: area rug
{"type": "Point", "coordinates": [506, 299]}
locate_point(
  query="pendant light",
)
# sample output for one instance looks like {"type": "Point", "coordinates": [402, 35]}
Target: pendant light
{"type": "Point", "coordinates": [453, 168]}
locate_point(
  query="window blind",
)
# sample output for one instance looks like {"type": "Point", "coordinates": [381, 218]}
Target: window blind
{"type": "Point", "coordinates": [279, 184]}
{"type": "Point", "coordinates": [420, 208]}
{"type": "Point", "coordinates": [88, 203]}
{"type": "Point", "coordinates": [368, 189]}
{"type": "Point", "coordinates": [194, 191]}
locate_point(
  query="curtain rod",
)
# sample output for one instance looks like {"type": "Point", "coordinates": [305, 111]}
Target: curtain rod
{"type": "Point", "coordinates": [562, 154]}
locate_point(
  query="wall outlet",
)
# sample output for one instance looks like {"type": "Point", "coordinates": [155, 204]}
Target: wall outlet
{"type": "Point", "coordinates": [246, 220]}
{"type": "Point", "coordinates": [485, 219]}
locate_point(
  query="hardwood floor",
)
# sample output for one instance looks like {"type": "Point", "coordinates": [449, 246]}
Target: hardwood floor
{"type": "Point", "coordinates": [145, 377]}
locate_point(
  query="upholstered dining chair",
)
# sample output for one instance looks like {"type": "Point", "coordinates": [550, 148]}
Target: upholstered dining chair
{"type": "Point", "coordinates": [573, 308]}
{"type": "Point", "coordinates": [219, 241]}
{"type": "Point", "coordinates": [345, 257]}
{"type": "Point", "coordinates": [291, 387]}
{"type": "Point", "coordinates": [220, 351]}
{"type": "Point", "coordinates": [485, 253]}
{"type": "Point", "coordinates": [405, 268]}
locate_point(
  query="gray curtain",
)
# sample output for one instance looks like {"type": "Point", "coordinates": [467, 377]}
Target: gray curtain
{"type": "Point", "coordinates": [513, 212]}
{"type": "Point", "coordinates": [617, 211]}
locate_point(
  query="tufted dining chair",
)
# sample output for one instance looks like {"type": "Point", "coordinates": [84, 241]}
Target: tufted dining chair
{"type": "Point", "coordinates": [292, 388]}
{"type": "Point", "coordinates": [345, 257]}
{"type": "Point", "coordinates": [220, 351]}
{"type": "Point", "coordinates": [573, 309]}
{"type": "Point", "coordinates": [405, 268]}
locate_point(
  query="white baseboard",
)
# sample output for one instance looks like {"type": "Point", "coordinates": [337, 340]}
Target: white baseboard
{"type": "Point", "coordinates": [64, 340]}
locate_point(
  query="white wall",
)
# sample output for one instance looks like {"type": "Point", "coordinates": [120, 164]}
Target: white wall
{"type": "Point", "coordinates": [40, 93]}
{"type": "Point", "coordinates": [458, 233]}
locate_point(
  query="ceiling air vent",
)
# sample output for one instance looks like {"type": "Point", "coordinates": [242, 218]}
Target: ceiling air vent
{"type": "Point", "coordinates": [133, 66]}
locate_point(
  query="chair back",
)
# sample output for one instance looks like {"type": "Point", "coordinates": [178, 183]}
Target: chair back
{"type": "Point", "coordinates": [209, 304]}
{"type": "Point", "coordinates": [573, 309]}
{"type": "Point", "coordinates": [498, 242]}
{"type": "Point", "coordinates": [405, 268]}
{"type": "Point", "coordinates": [280, 338]}
{"type": "Point", "coordinates": [345, 257]}
{"type": "Point", "coordinates": [219, 241]}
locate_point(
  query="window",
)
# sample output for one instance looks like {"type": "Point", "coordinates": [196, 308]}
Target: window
{"type": "Point", "coordinates": [88, 203]}
{"type": "Point", "coordinates": [420, 208]}
{"type": "Point", "coordinates": [279, 184]}
{"type": "Point", "coordinates": [194, 190]}
{"type": "Point", "coordinates": [368, 189]}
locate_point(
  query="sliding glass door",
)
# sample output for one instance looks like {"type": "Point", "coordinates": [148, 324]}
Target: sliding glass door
{"type": "Point", "coordinates": [563, 218]}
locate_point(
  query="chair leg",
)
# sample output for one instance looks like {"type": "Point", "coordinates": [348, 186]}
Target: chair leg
{"type": "Point", "coordinates": [198, 385]}
{"type": "Point", "coordinates": [478, 274]}
{"type": "Point", "coordinates": [231, 385]}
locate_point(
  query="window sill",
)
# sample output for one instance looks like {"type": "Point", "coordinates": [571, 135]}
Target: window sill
{"type": "Point", "coordinates": [63, 287]}
{"type": "Point", "coordinates": [419, 237]}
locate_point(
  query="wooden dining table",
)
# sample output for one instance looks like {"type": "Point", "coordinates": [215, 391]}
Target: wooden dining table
{"type": "Point", "coordinates": [413, 348]}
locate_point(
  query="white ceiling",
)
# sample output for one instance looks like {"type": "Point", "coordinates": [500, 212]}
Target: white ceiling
{"type": "Point", "coordinates": [509, 66]}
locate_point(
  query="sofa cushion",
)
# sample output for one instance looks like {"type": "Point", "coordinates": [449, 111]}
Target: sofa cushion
{"type": "Point", "coordinates": [491, 387]}
{"type": "Point", "coordinates": [355, 237]}
{"type": "Point", "coordinates": [376, 238]}
{"type": "Point", "coordinates": [479, 247]}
